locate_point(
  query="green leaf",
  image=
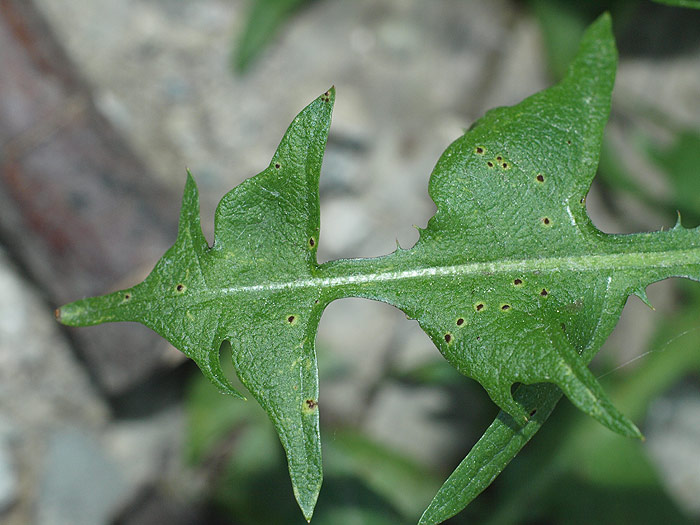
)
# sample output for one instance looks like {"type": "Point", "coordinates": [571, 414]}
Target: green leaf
{"type": "Point", "coordinates": [264, 20]}
{"type": "Point", "coordinates": [390, 474]}
{"type": "Point", "coordinates": [614, 472]}
{"type": "Point", "coordinates": [501, 442]}
{"type": "Point", "coordinates": [680, 161]}
{"type": "Point", "coordinates": [677, 162]}
{"type": "Point", "coordinates": [561, 26]}
{"type": "Point", "coordinates": [242, 290]}
{"type": "Point", "coordinates": [510, 279]}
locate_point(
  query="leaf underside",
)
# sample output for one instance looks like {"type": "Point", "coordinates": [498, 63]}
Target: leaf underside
{"type": "Point", "coordinates": [510, 278]}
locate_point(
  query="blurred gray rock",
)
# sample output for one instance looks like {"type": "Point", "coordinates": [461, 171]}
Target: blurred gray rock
{"type": "Point", "coordinates": [673, 441]}
{"type": "Point", "coordinates": [79, 484]}
{"type": "Point", "coordinates": [42, 388]}
{"type": "Point", "coordinates": [9, 481]}
{"type": "Point", "coordinates": [148, 450]}
{"type": "Point", "coordinates": [41, 382]}
{"type": "Point", "coordinates": [61, 461]}
{"type": "Point", "coordinates": [78, 213]}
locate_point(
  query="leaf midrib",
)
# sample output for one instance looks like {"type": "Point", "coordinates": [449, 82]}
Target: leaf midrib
{"type": "Point", "coordinates": [577, 263]}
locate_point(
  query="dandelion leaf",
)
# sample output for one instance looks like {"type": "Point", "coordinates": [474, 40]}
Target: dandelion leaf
{"type": "Point", "coordinates": [510, 278]}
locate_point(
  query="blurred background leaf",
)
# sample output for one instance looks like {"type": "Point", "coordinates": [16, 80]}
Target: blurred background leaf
{"type": "Point", "coordinates": [265, 19]}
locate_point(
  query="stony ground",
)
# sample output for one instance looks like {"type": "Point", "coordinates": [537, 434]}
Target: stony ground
{"type": "Point", "coordinates": [410, 77]}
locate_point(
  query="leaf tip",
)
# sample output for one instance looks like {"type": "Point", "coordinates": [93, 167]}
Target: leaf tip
{"type": "Point", "coordinates": [69, 314]}
{"type": "Point", "coordinates": [329, 96]}
{"type": "Point", "coordinates": [307, 507]}
{"type": "Point", "coordinates": [678, 225]}
{"type": "Point", "coordinates": [235, 393]}
{"type": "Point", "coordinates": [597, 52]}
{"type": "Point", "coordinates": [623, 426]}
{"type": "Point", "coordinates": [642, 294]}
{"type": "Point", "coordinates": [603, 22]}
{"type": "Point", "coordinates": [634, 432]}
{"type": "Point", "coordinates": [190, 184]}
{"type": "Point", "coordinates": [224, 385]}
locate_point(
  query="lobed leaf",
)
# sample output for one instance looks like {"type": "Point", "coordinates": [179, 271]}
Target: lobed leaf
{"type": "Point", "coordinates": [510, 278]}
{"type": "Point", "coordinates": [241, 290]}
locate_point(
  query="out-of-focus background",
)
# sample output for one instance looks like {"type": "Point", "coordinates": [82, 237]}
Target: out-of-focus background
{"type": "Point", "coordinates": [105, 103]}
